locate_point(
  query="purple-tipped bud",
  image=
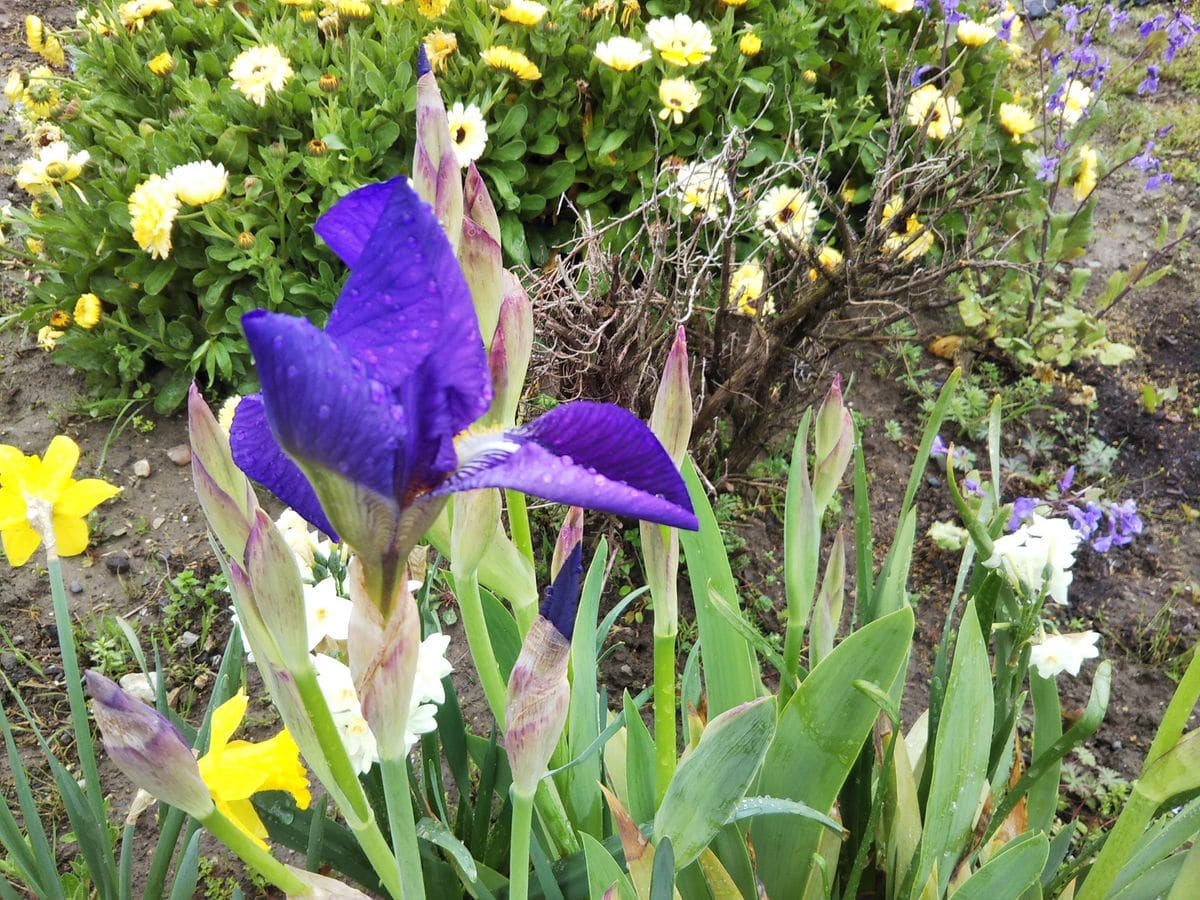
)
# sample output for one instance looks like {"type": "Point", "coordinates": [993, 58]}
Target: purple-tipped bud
{"type": "Point", "coordinates": [538, 699]}
{"type": "Point", "coordinates": [829, 419]}
{"type": "Point", "coordinates": [478, 205]}
{"type": "Point", "coordinates": [570, 536]}
{"type": "Point", "coordinates": [561, 602]}
{"type": "Point", "coordinates": [479, 256]}
{"type": "Point", "coordinates": [671, 420]}
{"type": "Point", "coordinates": [277, 592]}
{"type": "Point", "coordinates": [147, 748]}
{"type": "Point", "coordinates": [383, 660]}
{"type": "Point", "coordinates": [436, 176]}
{"type": "Point", "coordinates": [639, 852]}
{"type": "Point", "coordinates": [829, 468]}
{"type": "Point", "coordinates": [510, 353]}
{"type": "Point", "coordinates": [423, 66]}
{"type": "Point", "coordinates": [224, 492]}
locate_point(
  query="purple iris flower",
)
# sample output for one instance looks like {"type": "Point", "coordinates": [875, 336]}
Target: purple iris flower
{"type": "Point", "coordinates": [364, 427]}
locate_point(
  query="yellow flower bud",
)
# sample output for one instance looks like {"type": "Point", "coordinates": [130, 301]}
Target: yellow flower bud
{"type": "Point", "coordinates": [328, 82]}
{"type": "Point", "coordinates": [317, 147]}
{"type": "Point", "coordinates": [88, 311]}
{"type": "Point", "coordinates": [60, 318]}
{"type": "Point", "coordinates": [245, 240]}
{"type": "Point", "coordinates": [809, 76]}
{"type": "Point", "coordinates": [750, 44]}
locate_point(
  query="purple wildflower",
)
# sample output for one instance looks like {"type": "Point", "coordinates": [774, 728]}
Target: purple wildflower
{"type": "Point", "coordinates": [1023, 508]}
{"type": "Point", "coordinates": [1085, 520]}
{"type": "Point", "coordinates": [1116, 17]}
{"type": "Point", "coordinates": [1047, 168]}
{"type": "Point", "coordinates": [1071, 11]}
{"type": "Point", "coordinates": [1149, 84]}
{"type": "Point", "coordinates": [973, 486]}
{"type": "Point", "coordinates": [1068, 479]}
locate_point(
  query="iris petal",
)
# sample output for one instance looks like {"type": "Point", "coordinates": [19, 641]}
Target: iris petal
{"type": "Point", "coordinates": [349, 223]}
{"type": "Point", "coordinates": [587, 454]}
{"type": "Point", "coordinates": [259, 455]}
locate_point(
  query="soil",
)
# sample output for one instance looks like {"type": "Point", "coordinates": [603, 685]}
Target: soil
{"type": "Point", "coordinates": [1143, 599]}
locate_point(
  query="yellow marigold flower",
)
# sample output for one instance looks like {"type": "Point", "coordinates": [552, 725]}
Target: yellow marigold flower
{"type": "Point", "coordinates": [1016, 119]}
{"type": "Point", "coordinates": [41, 96]}
{"type": "Point", "coordinates": [432, 9]}
{"type": "Point", "coordinates": [47, 339]}
{"type": "Point", "coordinates": [1089, 173]}
{"type": "Point", "coordinates": [829, 259]}
{"type": "Point", "coordinates": [914, 242]}
{"type": "Point", "coordinates": [938, 114]}
{"type": "Point", "coordinates": [897, 6]}
{"type": "Point", "coordinates": [197, 183]}
{"type": "Point", "coordinates": [53, 165]}
{"type": "Point", "coordinates": [237, 770]}
{"type": "Point", "coordinates": [679, 97]}
{"type": "Point", "coordinates": [39, 500]}
{"type": "Point", "coordinates": [746, 287]}
{"type": "Point", "coordinates": [622, 53]}
{"type": "Point", "coordinates": [974, 34]}
{"type": "Point", "coordinates": [153, 206]}
{"type": "Point", "coordinates": [702, 186]}
{"type": "Point", "coordinates": [513, 61]}
{"type": "Point", "coordinates": [88, 311]}
{"type": "Point", "coordinates": [255, 70]}
{"type": "Point", "coordinates": [353, 9]}
{"type": "Point", "coordinates": [162, 65]}
{"type": "Point", "coordinates": [60, 318]}
{"type": "Point", "coordinates": [681, 41]}
{"type": "Point", "coordinates": [468, 132]}
{"type": "Point", "coordinates": [439, 47]}
{"type": "Point", "coordinates": [750, 44]}
{"type": "Point", "coordinates": [134, 14]}
{"type": "Point", "coordinates": [1075, 99]}
{"type": "Point", "coordinates": [523, 12]}
{"type": "Point", "coordinates": [788, 212]}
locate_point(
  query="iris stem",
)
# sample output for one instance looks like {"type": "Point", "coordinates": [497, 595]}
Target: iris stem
{"type": "Point", "coordinates": [480, 642]}
{"type": "Point", "coordinates": [518, 522]}
{"type": "Point", "coordinates": [518, 847]}
{"type": "Point", "coordinates": [253, 855]}
{"type": "Point", "coordinates": [346, 789]}
{"type": "Point", "coordinates": [79, 716]}
{"type": "Point", "coordinates": [404, 828]}
{"type": "Point", "coordinates": [664, 710]}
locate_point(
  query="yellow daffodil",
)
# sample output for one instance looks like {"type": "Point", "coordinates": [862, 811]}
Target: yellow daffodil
{"type": "Point", "coordinates": [432, 9]}
{"type": "Point", "coordinates": [41, 503]}
{"type": "Point", "coordinates": [681, 41]}
{"type": "Point", "coordinates": [53, 165]}
{"type": "Point", "coordinates": [197, 183]}
{"type": "Point", "coordinates": [237, 770]}
{"type": "Point", "coordinates": [679, 97]}
{"type": "Point", "coordinates": [750, 44]}
{"type": "Point", "coordinates": [162, 65]}
{"type": "Point", "coordinates": [88, 311]}
{"type": "Point", "coordinates": [1089, 173]}
{"type": "Point", "coordinates": [255, 70]}
{"type": "Point", "coordinates": [932, 110]}
{"type": "Point", "coordinates": [512, 61]}
{"type": "Point", "coordinates": [468, 132]}
{"type": "Point", "coordinates": [788, 212]}
{"type": "Point", "coordinates": [134, 14]}
{"type": "Point", "coordinates": [523, 12]}
{"type": "Point", "coordinates": [974, 34]}
{"type": "Point", "coordinates": [153, 206]}
{"type": "Point", "coordinates": [1016, 119]}
{"type": "Point", "coordinates": [897, 6]}
{"type": "Point", "coordinates": [440, 46]}
{"type": "Point", "coordinates": [622, 53]}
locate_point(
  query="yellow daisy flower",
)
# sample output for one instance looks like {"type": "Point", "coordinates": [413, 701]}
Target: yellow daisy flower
{"type": "Point", "coordinates": [914, 242]}
{"type": "Point", "coordinates": [974, 34]}
{"type": "Point", "coordinates": [41, 502]}
{"type": "Point", "coordinates": [162, 65]}
{"type": "Point", "coordinates": [237, 770]}
{"type": "Point", "coordinates": [512, 61]}
{"type": "Point", "coordinates": [353, 9]}
{"type": "Point", "coordinates": [258, 69]}
{"type": "Point", "coordinates": [47, 339]}
{"type": "Point", "coordinates": [681, 41]}
{"type": "Point", "coordinates": [439, 47]}
{"type": "Point", "coordinates": [829, 259]}
{"type": "Point", "coordinates": [1016, 119]}
{"type": "Point", "coordinates": [746, 287]}
{"type": "Point", "coordinates": [53, 165]}
{"type": "Point", "coordinates": [1075, 99]}
{"type": "Point", "coordinates": [897, 6]}
{"type": "Point", "coordinates": [432, 9]}
{"type": "Point", "coordinates": [938, 114]}
{"type": "Point", "coordinates": [702, 186]}
{"type": "Point", "coordinates": [60, 318]}
{"type": "Point", "coordinates": [153, 206]}
{"type": "Point", "coordinates": [134, 14]}
{"type": "Point", "coordinates": [41, 96]}
{"type": "Point", "coordinates": [88, 311]}
{"type": "Point", "coordinates": [1089, 173]}
{"type": "Point", "coordinates": [750, 44]}
{"type": "Point", "coordinates": [679, 97]}
{"type": "Point", "coordinates": [787, 212]}
{"type": "Point", "coordinates": [622, 53]}
{"type": "Point", "coordinates": [523, 12]}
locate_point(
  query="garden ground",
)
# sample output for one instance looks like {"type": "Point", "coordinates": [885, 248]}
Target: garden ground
{"type": "Point", "coordinates": [1143, 599]}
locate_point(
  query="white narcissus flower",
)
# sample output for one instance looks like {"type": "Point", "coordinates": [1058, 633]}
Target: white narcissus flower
{"type": "Point", "coordinates": [1038, 557]}
{"type": "Point", "coordinates": [295, 532]}
{"type": "Point", "coordinates": [1064, 653]}
{"type": "Point", "coordinates": [327, 614]}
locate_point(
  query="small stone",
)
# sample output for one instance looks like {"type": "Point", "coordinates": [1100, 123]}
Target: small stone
{"type": "Point", "coordinates": [75, 587]}
{"type": "Point", "coordinates": [8, 661]}
{"type": "Point", "coordinates": [188, 639]}
{"type": "Point", "coordinates": [158, 522]}
{"type": "Point", "coordinates": [118, 563]}
{"type": "Point", "coordinates": [141, 468]}
{"type": "Point", "coordinates": [180, 454]}
{"type": "Point", "coordinates": [141, 686]}
{"type": "Point", "coordinates": [627, 670]}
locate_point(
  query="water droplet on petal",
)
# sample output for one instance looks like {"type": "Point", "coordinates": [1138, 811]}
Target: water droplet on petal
{"type": "Point", "coordinates": [323, 411]}
{"type": "Point", "coordinates": [292, 371]}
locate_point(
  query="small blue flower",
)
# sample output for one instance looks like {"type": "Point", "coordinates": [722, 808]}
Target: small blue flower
{"type": "Point", "coordinates": [1023, 508]}
{"type": "Point", "coordinates": [973, 486]}
{"type": "Point", "coordinates": [1068, 479]}
{"type": "Point", "coordinates": [1149, 84]}
{"type": "Point", "coordinates": [1047, 168]}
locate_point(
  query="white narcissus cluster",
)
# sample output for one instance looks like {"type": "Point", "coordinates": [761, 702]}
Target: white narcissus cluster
{"type": "Point", "coordinates": [1064, 653]}
{"type": "Point", "coordinates": [1038, 557]}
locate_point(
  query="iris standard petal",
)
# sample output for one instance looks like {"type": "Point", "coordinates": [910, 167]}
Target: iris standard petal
{"type": "Point", "coordinates": [406, 311]}
{"type": "Point", "coordinates": [324, 407]}
{"type": "Point", "coordinates": [594, 455]}
{"type": "Point", "coordinates": [350, 221]}
{"type": "Point", "coordinates": [259, 455]}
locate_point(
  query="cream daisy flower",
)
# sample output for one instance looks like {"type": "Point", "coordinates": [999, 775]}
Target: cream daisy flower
{"type": "Point", "coordinates": [681, 41]}
{"type": "Point", "coordinates": [679, 97]}
{"type": "Point", "coordinates": [910, 245]}
{"type": "Point", "coordinates": [523, 12]}
{"type": "Point", "coordinates": [440, 46]}
{"type": "Point", "coordinates": [787, 212]}
{"type": "Point", "coordinates": [622, 53]}
{"type": "Point", "coordinates": [152, 210]}
{"type": "Point", "coordinates": [468, 132]}
{"type": "Point", "coordinates": [1075, 99]}
{"type": "Point", "coordinates": [938, 114]}
{"type": "Point", "coordinates": [746, 287]}
{"type": "Point", "coordinates": [53, 165]}
{"type": "Point", "coordinates": [134, 14]}
{"type": "Point", "coordinates": [197, 183]}
{"type": "Point", "coordinates": [974, 34]}
{"type": "Point", "coordinates": [258, 69]}
{"type": "Point", "coordinates": [702, 186]}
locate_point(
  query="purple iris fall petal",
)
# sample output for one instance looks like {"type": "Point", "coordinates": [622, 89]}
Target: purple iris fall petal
{"type": "Point", "coordinates": [259, 455]}
{"type": "Point", "coordinates": [561, 602]}
{"type": "Point", "coordinates": [586, 454]}
{"type": "Point", "coordinates": [348, 225]}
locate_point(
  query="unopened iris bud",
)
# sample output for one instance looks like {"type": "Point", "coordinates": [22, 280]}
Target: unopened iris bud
{"type": "Point", "coordinates": [570, 536]}
{"type": "Point", "coordinates": [476, 518]}
{"type": "Point", "coordinates": [436, 175]}
{"type": "Point", "coordinates": [480, 258]}
{"type": "Point", "coordinates": [829, 419]}
{"type": "Point", "coordinates": [225, 493]}
{"type": "Point", "coordinates": [539, 693]}
{"type": "Point", "coordinates": [277, 590]}
{"type": "Point", "coordinates": [508, 359]}
{"type": "Point", "coordinates": [328, 83]}
{"type": "Point", "coordinates": [147, 748]}
{"type": "Point", "coordinates": [477, 203]}
{"type": "Point", "coordinates": [834, 442]}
